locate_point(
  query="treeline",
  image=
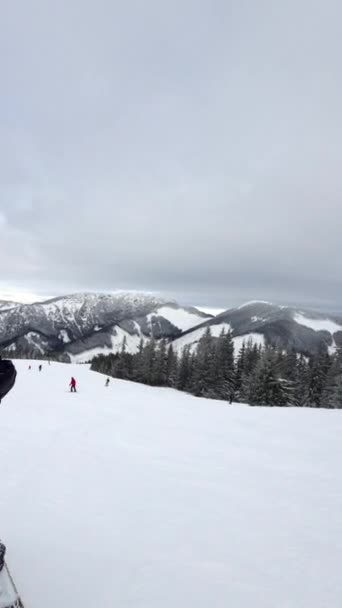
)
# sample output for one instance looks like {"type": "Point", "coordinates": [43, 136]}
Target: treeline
{"type": "Point", "coordinates": [257, 375]}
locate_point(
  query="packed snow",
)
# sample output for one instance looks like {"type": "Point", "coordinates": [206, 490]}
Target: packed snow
{"type": "Point", "coordinates": [332, 348]}
{"type": "Point", "coordinates": [145, 497]}
{"type": "Point", "coordinates": [63, 335]}
{"type": "Point", "coordinates": [318, 324]}
{"type": "Point", "coordinates": [254, 338]}
{"type": "Point", "coordinates": [192, 339]}
{"type": "Point", "coordinates": [117, 339]}
{"type": "Point", "coordinates": [36, 341]}
{"type": "Point", "coordinates": [179, 317]}
{"type": "Point", "coordinates": [7, 305]}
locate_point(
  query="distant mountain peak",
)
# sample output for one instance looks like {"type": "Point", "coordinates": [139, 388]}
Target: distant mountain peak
{"type": "Point", "coordinates": [77, 326]}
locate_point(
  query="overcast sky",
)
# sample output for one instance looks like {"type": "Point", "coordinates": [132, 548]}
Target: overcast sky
{"type": "Point", "coordinates": [187, 147]}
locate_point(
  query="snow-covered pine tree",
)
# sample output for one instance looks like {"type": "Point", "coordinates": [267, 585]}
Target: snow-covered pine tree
{"type": "Point", "coordinates": [160, 371]}
{"type": "Point", "coordinates": [183, 376]}
{"type": "Point", "coordinates": [225, 367]}
{"type": "Point", "coordinates": [149, 362]}
{"type": "Point", "coordinates": [171, 366]}
{"type": "Point", "coordinates": [204, 373]}
{"type": "Point", "coordinates": [319, 366]}
{"type": "Point", "coordinates": [266, 387]}
{"type": "Point", "coordinates": [240, 375]}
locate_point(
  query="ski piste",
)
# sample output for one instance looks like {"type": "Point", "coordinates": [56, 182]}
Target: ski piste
{"type": "Point", "coordinates": [9, 596]}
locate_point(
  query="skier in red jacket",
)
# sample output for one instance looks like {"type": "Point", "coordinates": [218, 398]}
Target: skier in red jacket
{"type": "Point", "coordinates": [72, 385]}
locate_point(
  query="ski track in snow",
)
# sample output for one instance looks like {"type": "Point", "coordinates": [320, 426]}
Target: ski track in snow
{"type": "Point", "coordinates": [133, 496]}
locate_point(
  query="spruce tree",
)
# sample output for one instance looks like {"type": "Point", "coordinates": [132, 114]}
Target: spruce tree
{"type": "Point", "coordinates": [225, 368]}
{"type": "Point", "coordinates": [183, 375]}
{"type": "Point", "coordinates": [171, 367]}
{"type": "Point", "coordinates": [204, 372]}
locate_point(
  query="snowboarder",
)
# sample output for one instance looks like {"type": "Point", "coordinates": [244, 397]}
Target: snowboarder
{"type": "Point", "coordinates": [72, 385]}
{"type": "Point", "coordinates": [107, 382]}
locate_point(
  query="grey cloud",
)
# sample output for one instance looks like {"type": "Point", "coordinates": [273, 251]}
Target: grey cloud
{"type": "Point", "coordinates": [186, 147]}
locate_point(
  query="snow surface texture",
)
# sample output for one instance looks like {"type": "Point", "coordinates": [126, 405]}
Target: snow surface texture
{"type": "Point", "coordinates": [318, 324]}
{"type": "Point", "coordinates": [133, 496]}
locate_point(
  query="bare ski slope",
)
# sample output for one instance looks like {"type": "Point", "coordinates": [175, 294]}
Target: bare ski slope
{"type": "Point", "coordinates": [134, 497]}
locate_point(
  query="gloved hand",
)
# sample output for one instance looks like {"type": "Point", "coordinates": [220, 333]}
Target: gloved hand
{"type": "Point", "coordinates": [7, 377]}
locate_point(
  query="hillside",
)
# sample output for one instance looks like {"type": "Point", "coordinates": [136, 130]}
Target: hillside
{"type": "Point", "coordinates": [303, 330]}
{"type": "Point", "coordinates": [78, 326]}
{"type": "Point", "coordinates": [143, 497]}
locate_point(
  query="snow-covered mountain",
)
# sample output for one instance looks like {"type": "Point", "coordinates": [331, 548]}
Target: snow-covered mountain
{"type": "Point", "coordinates": [77, 327]}
{"type": "Point", "coordinates": [81, 325]}
{"type": "Point", "coordinates": [262, 322]}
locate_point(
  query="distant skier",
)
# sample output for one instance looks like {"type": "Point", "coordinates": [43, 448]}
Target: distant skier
{"type": "Point", "coordinates": [40, 368]}
{"type": "Point", "coordinates": [107, 382]}
{"type": "Point", "coordinates": [29, 366]}
{"type": "Point", "coordinates": [72, 385]}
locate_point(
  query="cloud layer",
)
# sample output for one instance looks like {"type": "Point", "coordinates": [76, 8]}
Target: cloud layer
{"type": "Point", "coordinates": [186, 147]}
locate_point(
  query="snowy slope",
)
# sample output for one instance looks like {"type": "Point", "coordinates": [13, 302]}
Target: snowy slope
{"type": "Point", "coordinates": [197, 334]}
{"type": "Point", "coordinates": [327, 325]}
{"type": "Point", "coordinates": [139, 497]}
{"type": "Point", "coordinates": [181, 318]}
{"type": "Point", "coordinates": [7, 304]}
{"type": "Point", "coordinates": [257, 339]}
{"type": "Point", "coordinates": [117, 338]}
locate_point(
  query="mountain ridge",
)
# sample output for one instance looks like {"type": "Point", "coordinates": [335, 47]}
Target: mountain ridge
{"type": "Point", "coordinates": [304, 330]}
{"type": "Point", "coordinates": [78, 326]}
{"type": "Point", "coordinates": [76, 323]}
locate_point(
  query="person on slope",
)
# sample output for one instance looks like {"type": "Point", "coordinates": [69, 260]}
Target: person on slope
{"type": "Point", "coordinates": [72, 385]}
{"type": "Point", "coordinates": [107, 382]}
